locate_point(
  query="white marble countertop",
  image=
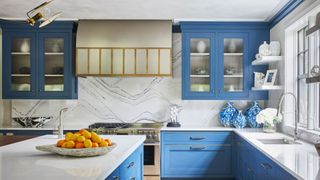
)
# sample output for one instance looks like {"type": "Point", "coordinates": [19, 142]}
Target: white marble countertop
{"type": "Point", "coordinates": [301, 160]}
{"type": "Point", "coordinates": [22, 161]}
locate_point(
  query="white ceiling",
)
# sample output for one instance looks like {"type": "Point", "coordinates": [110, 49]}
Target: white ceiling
{"type": "Point", "coordinates": [213, 10]}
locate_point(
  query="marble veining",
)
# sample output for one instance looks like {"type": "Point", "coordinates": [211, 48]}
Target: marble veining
{"type": "Point", "coordinates": [127, 99]}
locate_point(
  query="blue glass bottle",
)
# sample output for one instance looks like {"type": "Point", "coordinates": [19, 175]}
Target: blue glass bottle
{"type": "Point", "coordinates": [227, 114]}
{"type": "Point", "coordinates": [239, 120]}
{"type": "Point", "coordinates": [251, 114]}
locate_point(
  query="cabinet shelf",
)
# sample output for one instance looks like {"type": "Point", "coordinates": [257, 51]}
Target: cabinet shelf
{"type": "Point", "coordinates": [199, 76]}
{"type": "Point", "coordinates": [264, 60]}
{"type": "Point", "coordinates": [233, 76]}
{"type": "Point", "coordinates": [199, 54]}
{"type": "Point", "coordinates": [53, 53]}
{"type": "Point", "coordinates": [53, 75]}
{"type": "Point", "coordinates": [265, 87]}
{"type": "Point", "coordinates": [20, 75]}
{"type": "Point", "coordinates": [20, 53]}
{"type": "Point", "coordinates": [233, 54]}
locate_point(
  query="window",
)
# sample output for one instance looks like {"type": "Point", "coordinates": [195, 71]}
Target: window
{"type": "Point", "coordinates": [308, 95]}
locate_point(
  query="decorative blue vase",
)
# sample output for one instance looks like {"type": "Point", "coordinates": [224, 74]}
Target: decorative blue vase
{"type": "Point", "coordinates": [227, 114]}
{"type": "Point", "coordinates": [251, 114]}
{"type": "Point", "coordinates": [239, 120]}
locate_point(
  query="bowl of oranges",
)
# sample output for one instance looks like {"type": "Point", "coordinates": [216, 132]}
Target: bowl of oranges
{"type": "Point", "coordinates": [80, 144]}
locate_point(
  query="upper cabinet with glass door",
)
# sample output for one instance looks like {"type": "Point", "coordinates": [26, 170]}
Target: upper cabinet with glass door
{"type": "Point", "coordinates": [198, 65]}
{"type": "Point", "coordinates": [38, 62]}
{"type": "Point", "coordinates": [216, 59]}
{"type": "Point", "coordinates": [233, 63]}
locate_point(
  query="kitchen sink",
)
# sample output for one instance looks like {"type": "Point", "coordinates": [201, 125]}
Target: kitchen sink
{"type": "Point", "coordinates": [278, 141]}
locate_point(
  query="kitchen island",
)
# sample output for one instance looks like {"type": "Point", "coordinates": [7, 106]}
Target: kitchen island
{"type": "Point", "coordinates": [22, 157]}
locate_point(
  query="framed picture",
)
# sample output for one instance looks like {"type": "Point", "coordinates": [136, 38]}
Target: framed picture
{"type": "Point", "coordinates": [270, 77]}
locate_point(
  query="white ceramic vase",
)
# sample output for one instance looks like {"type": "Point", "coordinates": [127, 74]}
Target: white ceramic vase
{"type": "Point", "coordinates": [264, 49]}
{"type": "Point", "coordinates": [25, 46]}
{"type": "Point", "coordinates": [201, 47]}
{"type": "Point", "coordinates": [232, 48]}
{"type": "Point", "coordinates": [275, 48]}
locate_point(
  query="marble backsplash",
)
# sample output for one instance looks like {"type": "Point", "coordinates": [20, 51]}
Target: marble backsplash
{"type": "Point", "coordinates": [127, 99]}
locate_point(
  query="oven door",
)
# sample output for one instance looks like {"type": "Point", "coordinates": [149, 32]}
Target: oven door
{"type": "Point", "coordinates": [152, 161]}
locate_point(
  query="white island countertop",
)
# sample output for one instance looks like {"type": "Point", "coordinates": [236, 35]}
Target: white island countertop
{"type": "Point", "coordinates": [22, 161]}
{"type": "Point", "coordinates": [300, 160]}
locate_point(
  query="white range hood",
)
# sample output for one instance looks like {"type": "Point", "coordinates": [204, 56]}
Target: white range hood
{"type": "Point", "coordinates": [124, 48]}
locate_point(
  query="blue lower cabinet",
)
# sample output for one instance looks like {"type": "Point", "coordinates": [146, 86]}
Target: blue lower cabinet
{"type": "Point", "coordinates": [196, 154]}
{"type": "Point", "coordinates": [217, 155]}
{"type": "Point", "coordinates": [131, 168]}
{"type": "Point", "coordinates": [196, 161]}
{"type": "Point", "coordinates": [253, 164]}
{"type": "Point", "coordinates": [115, 175]}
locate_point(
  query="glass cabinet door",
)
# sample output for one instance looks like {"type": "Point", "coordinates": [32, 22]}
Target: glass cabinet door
{"type": "Point", "coordinates": [233, 64]}
{"type": "Point", "coordinates": [200, 64]}
{"type": "Point", "coordinates": [233, 52]}
{"type": "Point", "coordinates": [21, 64]}
{"type": "Point", "coordinates": [53, 63]}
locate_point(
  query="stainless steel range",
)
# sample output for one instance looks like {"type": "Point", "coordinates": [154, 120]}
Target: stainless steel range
{"type": "Point", "coordinates": [151, 144]}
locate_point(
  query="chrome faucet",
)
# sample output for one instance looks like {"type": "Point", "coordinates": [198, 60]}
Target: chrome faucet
{"type": "Point", "coordinates": [60, 127]}
{"type": "Point", "coordinates": [295, 136]}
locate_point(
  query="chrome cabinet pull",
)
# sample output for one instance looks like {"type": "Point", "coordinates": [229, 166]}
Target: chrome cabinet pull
{"type": "Point", "coordinates": [132, 178]}
{"type": "Point", "coordinates": [130, 165]}
{"type": "Point", "coordinates": [266, 166]}
{"type": "Point", "coordinates": [197, 148]}
{"type": "Point", "coordinates": [115, 178]}
{"type": "Point", "coordinates": [197, 138]}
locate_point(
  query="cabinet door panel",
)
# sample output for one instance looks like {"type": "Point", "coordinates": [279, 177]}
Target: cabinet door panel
{"type": "Point", "coordinates": [198, 62]}
{"type": "Point", "coordinates": [55, 62]}
{"type": "Point", "coordinates": [105, 61]}
{"type": "Point", "coordinates": [19, 65]}
{"type": "Point", "coordinates": [165, 61]}
{"type": "Point", "coordinates": [82, 61]}
{"type": "Point", "coordinates": [196, 161]}
{"type": "Point", "coordinates": [141, 61]}
{"type": "Point", "coordinates": [233, 65]}
{"type": "Point", "coordinates": [117, 61]}
{"type": "Point", "coordinates": [129, 61]}
{"type": "Point", "coordinates": [153, 61]}
{"type": "Point", "coordinates": [94, 61]}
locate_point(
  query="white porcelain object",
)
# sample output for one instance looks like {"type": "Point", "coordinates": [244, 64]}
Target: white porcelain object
{"type": "Point", "coordinates": [232, 48]}
{"type": "Point", "coordinates": [275, 48]}
{"type": "Point", "coordinates": [56, 48]}
{"type": "Point", "coordinates": [315, 71]}
{"type": "Point", "coordinates": [201, 47]}
{"type": "Point", "coordinates": [264, 49]}
{"type": "Point", "coordinates": [25, 46]}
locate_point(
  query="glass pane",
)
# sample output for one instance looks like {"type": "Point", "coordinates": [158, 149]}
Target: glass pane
{"type": "Point", "coordinates": [21, 62]}
{"type": "Point", "coordinates": [54, 64]}
{"type": "Point", "coordinates": [200, 65]}
{"type": "Point", "coordinates": [233, 65]}
{"type": "Point", "coordinates": [303, 101]}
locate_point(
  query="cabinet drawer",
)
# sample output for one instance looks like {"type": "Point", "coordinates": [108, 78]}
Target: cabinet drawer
{"type": "Point", "coordinates": [196, 161]}
{"type": "Point", "coordinates": [190, 137]}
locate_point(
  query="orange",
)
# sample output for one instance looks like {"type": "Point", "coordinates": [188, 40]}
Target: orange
{"type": "Point", "coordinates": [79, 145]}
{"type": "Point", "coordinates": [96, 138]}
{"type": "Point", "coordinates": [109, 142]}
{"type": "Point", "coordinates": [81, 131]}
{"type": "Point", "coordinates": [87, 143]}
{"type": "Point", "coordinates": [64, 145]}
{"type": "Point", "coordinates": [60, 142]}
{"type": "Point", "coordinates": [81, 138]}
{"type": "Point", "coordinates": [70, 144]}
{"type": "Point", "coordinates": [86, 134]}
{"type": "Point", "coordinates": [74, 137]}
{"type": "Point", "coordinates": [103, 144]}
{"type": "Point", "coordinates": [68, 136]}
{"type": "Point", "coordinates": [94, 145]}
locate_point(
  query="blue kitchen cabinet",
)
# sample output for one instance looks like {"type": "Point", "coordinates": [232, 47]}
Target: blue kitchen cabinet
{"type": "Point", "coordinates": [216, 60]}
{"type": "Point", "coordinates": [253, 164]}
{"type": "Point", "coordinates": [196, 154]}
{"type": "Point", "coordinates": [131, 168]}
{"type": "Point", "coordinates": [38, 63]}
